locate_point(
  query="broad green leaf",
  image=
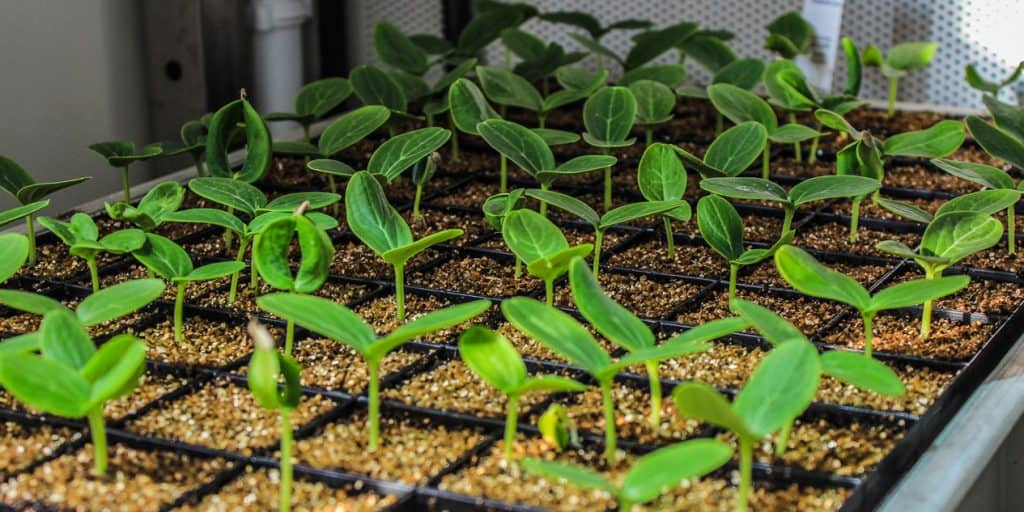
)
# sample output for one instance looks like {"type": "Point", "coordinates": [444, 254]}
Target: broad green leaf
{"type": "Point", "coordinates": [115, 369]}
{"type": "Point", "coordinates": [862, 371]}
{"type": "Point", "coordinates": [557, 331]}
{"type": "Point", "coordinates": [65, 340]}
{"type": "Point", "coordinates": [997, 141]}
{"type": "Point", "coordinates": [635, 211]}
{"type": "Point", "coordinates": [955, 236]}
{"type": "Point", "coordinates": [37, 191]}
{"type": "Point", "coordinates": [941, 139]}
{"type": "Point", "coordinates": [121, 153]}
{"type": "Point", "coordinates": [649, 45]}
{"type": "Point", "coordinates": [272, 247]}
{"type": "Point", "coordinates": [743, 73]}
{"type": "Point", "coordinates": [414, 87]}
{"type": "Point", "coordinates": [44, 384]}
{"type": "Point", "coordinates": [905, 210]}
{"type": "Point", "coordinates": [837, 122]}
{"type": "Point", "coordinates": [665, 468]}
{"type": "Point", "coordinates": [322, 316]}
{"type": "Point", "coordinates": [371, 217]}
{"type": "Point", "coordinates": [13, 253]}
{"type": "Point", "coordinates": [982, 201]}
{"type": "Point", "coordinates": [721, 226]}
{"type": "Point", "coordinates": [794, 30]}
{"type": "Point", "coordinates": [23, 344]}
{"type": "Point", "coordinates": [806, 275]}
{"type": "Point", "coordinates": [352, 127]}
{"type": "Point", "coordinates": [669, 74]}
{"type": "Point", "coordinates": [164, 257]}
{"type": "Point", "coordinates": [492, 357]}
{"type": "Point", "coordinates": [775, 329]}
{"type": "Point", "coordinates": [709, 51]}
{"type": "Point", "coordinates": [1006, 116]}
{"type": "Point", "coordinates": [577, 19]}
{"type": "Point", "coordinates": [792, 132]}
{"type": "Point", "coordinates": [446, 80]}
{"type": "Point", "coordinates": [567, 96]}
{"type": "Point", "coordinates": [228, 192]}
{"type": "Point", "coordinates": [740, 105]}
{"type": "Point", "coordinates": [579, 165]}
{"type": "Point", "coordinates": [485, 28]}
{"type": "Point", "coordinates": [319, 97]}
{"type": "Point", "coordinates": [734, 150]}
{"type": "Point", "coordinates": [468, 106]}
{"type": "Point", "coordinates": [400, 152]}
{"type": "Point", "coordinates": [608, 115]}
{"type": "Point", "coordinates": [900, 249]}
{"type": "Point", "coordinates": [595, 47]}
{"type": "Point", "coordinates": [13, 177]}
{"type": "Point", "coordinates": [210, 216]}
{"type": "Point", "coordinates": [429, 323]}
{"type": "Point", "coordinates": [433, 45]}
{"type": "Point", "coordinates": [854, 67]}
{"type": "Point", "coordinates": [654, 101]}
{"type": "Point", "coordinates": [118, 300]}
{"type": "Point", "coordinates": [616, 323]}
{"type": "Point", "coordinates": [524, 45]}
{"type": "Point", "coordinates": [660, 175]}
{"type": "Point", "coordinates": [577, 476]}
{"type": "Point", "coordinates": [213, 271]}
{"type": "Point", "coordinates": [831, 187]}
{"type": "Point", "coordinates": [751, 189]}
{"type": "Point", "coordinates": [911, 56]}
{"type": "Point", "coordinates": [550, 384]}
{"type": "Point", "coordinates": [869, 158]}
{"type": "Point", "coordinates": [395, 49]}
{"type": "Point", "coordinates": [258, 143]}
{"type": "Point", "coordinates": [531, 236]}
{"type": "Point", "coordinates": [551, 267]}
{"type": "Point", "coordinates": [8, 216]}
{"type": "Point", "coordinates": [568, 203]}
{"type": "Point", "coordinates": [332, 167]}
{"type": "Point", "coordinates": [507, 88]}
{"type": "Point", "coordinates": [289, 202]}
{"type": "Point", "coordinates": [782, 386]}
{"type": "Point", "coordinates": [375, 87]}
{"type": "Point", "coordinates": [29, 302]}
{"type": "Point", "coordinates": [162, 199]}
{"type": "Point", "coordinates": [400, 255]}
{"type": "Point", "coordinates": [123, 241]}
{"type": "Point", "coordinates": [700, 401]}
{"type": "Point", "coordinates": [984, 175]}
{"type": "Point", "coordinates": [553, 137]}
{"type": "Point", "coordinates": [787, 86]}
{"type": "Point", "coordinates": [525, 148]}
{"type": "Point", "coordinates": [263, 373]}
{"type": "Point", "coordinates": [574, 77]}
{"type": "Point", "coordinates": [917, 291]}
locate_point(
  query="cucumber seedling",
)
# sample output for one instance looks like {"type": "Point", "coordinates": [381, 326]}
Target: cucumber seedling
{"type": "Point", "coordinates": [900, 61]}
{"type": "Point", "coordinates": [538, 60]}
{"type": "Point", "coordinates": [338, 323]}
{"type": "Point", "coordinates": [82, 237]}
{"type": "Point", "coordinates": [565, 336]}
{"type": "Point", "coordinates": [722, 229]}
{"type": "Point", "coordinates": [725, 68]}
{"type": "Point", "coordinates": [790, 35]}
{"type": "Point", "coordinates": [595, 32]}
{"type": "Point", "coordinates": [994, 179]}
{"type": "Point", "coordinates": [72, 378]}
{"type": "Point", "coordinates": [314, 101]}
{"type": "Point", "coordinates": [192, 140]}
{"type": "Point", "coordinates": [225, 131]}
{"type": "Point", "coordinates": [949, 238]}
{"type": "Point", "coordinates": [13, 254]}
{"type": "Point", "coordinates": [730, 153]}
{"type": "Point", "coordinates": [28, 192]}
{"type": "Point", "coordinates": [557, 428]}
{"type": "Point", "coordinates": [655, 103]}
{"type": "Point", "coordinates": [649, 476]}
{"type": "Point", "coordinates": [168, 260]}
{"type": "Point", "coordinates": [608, 117]}
{"type": "Point", "coordinates": [152, 210]}
{"type": "Point", "coordinates": [492, 357]}
{"type": "Point", "coordinates": [379, 225]}
{"type": "Point", "coordinates": [120, 154]}
{"type": "Point", "coordinates": [808, 276]}
{"type": "Point", "coordinates": [268, 367]}
{"type": "Point", "coordinates": [980, 83]}
{"type": "Point", "coordinates": [662, 177]}
{"type": "Point", "coordinates": [508, 89]}
{"type": "Point", "coordinates": [541, 245]}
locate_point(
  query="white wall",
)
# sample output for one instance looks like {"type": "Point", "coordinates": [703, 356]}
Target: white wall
{"type": "Point", "coordinates": [72, 74]}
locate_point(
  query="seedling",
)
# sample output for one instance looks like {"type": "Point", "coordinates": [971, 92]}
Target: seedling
{"type": "Point", "coordinates": [662, 177]}
{"type": "Point", "coordinates": [153, 209]}
{"type": "Point", "coordinates": [731, 153]}
{"type": "Point", "coordinates": [722, 229]}
{"type": "Point", "coordinates": [168, 260]}
{"type": "Point", "coordinates": [807, 191]}
{"type": "Point", "coordinates": [670, 75]}
{"type": "Point", "coordinates": [608, 117]}
{"type": "Point", "coordinates": [724, 67]}
{"type": "Point", "coordinates": [492, 357]}
{"type": "Point", "coordinates": [422, 171]}
{"type": "Point", "coordinates": [120, 154]}
{"type": "Point", "coordinates": [740, 105]}
{"type": "Point", "coordinates": [541, 245]}
{"type": "Point", "coordinates": [949, 238]}
{"type": "Point", "coordinates": [490, 19]}
{"type": "Point", "coordinates": [83, 240]}
{"type": "Point", "coordinates": [376, 87]}
{"type": "Point", "coordinates": [538, 60]}
{"type": "Point", "coordinates": [568, 338]}
{"type": "Point", "coordinates": [602, 223]}
{"type": "Point", "coordinates": [650, 475]}
{"type": "Point", "coordinates": [557, 428]}
{"type": "Point", "coordinates": [790, 35]}
{"type": "Point", "coordinates": [372, 218]}
{"type": "Point", "coordinates": [270, 257]}
{"type": "Point", "coordinates": [314, 101]}
{"type": "Point", "coordinates": [334, 321]}
{"type": "Point", "coordinates": [991, 178]}
{"type": "Point", "coordinates": [808, 276]}
{"type": "Point", "coordinates": [1004, 139]}
{"type": "Point", "coordinates": [901, 60]}
{"type": "Point", "coordinates": [655, 102]}
{"type": "Point", "coordinates": [29, 193]}
{"type": "Point", "coordinates": [975, 80]}
{"type": "Point", "coordinates": [511, 90]}
{"type": "Point", "coordinates": [781, 387]}
{"type": "Point", "coordinates": [595, 32]}
{"type": "Point", "coordinates": [193, 141]}
{"type": "Point", "coordinates": [72, 378]}
{"type": "Point", "coordinates": [223, 132]}
{"type": "Point", "coordinates": [13, 254]}
{"type": "Point", "coordinates": [268, 367]}
{"type": "Point", "coordinates": [531, 153]}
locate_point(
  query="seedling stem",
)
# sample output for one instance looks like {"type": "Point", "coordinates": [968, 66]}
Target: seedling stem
{"type": "Point", "coordinates": [30, 230]}
{"type": "Point", "coordinates": [179, 306]}
{"type": "Point", "coordinates": [797, 157]}
{"type": "Point", "coordinates": [746, 466]}
{"type": "Point", "coordinates": [733, 271]}
{"type": "Point", "coordinates": [868, 333]}
{"type": "Point", "coordinates": [854, 219]}
{"type": "Point", "coordinates": [125, 183]}
{"type": "Point", "coordinates": [893, 86]}
{"type": "Point", "coordinates": [400, 291]}
{"type": "Point", "coordinates": [285, 493]}
{"type": "Point", "coordinates": [99, 441]}
{"type": "Point", "coordinates": [374, 403]}
{"type": "Point", "coordinates": [511, 422]}
{"type": "Point", "coordinates": [289, 337]}
{"type": "Point", "coordinates": [607, 184]}
{"type": "Point", "coordinates": [609, 422]}
{"type": "Point", "coordinates": [503, 186]}
{"type": "Point", "coordinates": [766, 158]}
{"type": "Point", "coordinates": [598, 235]}
{"type": "Point", "coordinates": [669, 239]}
{"type": "Point", "coordinates": [655, 382]}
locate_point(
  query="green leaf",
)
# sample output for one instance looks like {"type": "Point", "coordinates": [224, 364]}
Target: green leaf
{"type": "Point", "coordinates": [115, 369]}
{"type": "Point", "coordinates": [649, 45]}
{"type": "Point", "coordinates": [700, 401]}
{"type": "Point", "coordinates": [414, 87]}
{"type": "Point", "coordinates": [319, 97]}
{"type": "Point", "coordinates": [228, 192]}
{"type": "Point", "coordinates": [782, 386]}
{"type": "Point", "coordinates": [917, 291]}
{"type": "Point", "coordinates": [264, 370]}
{"type": "Point", "coordinates": [911, 56]}
{"type": "Point", "coordinates": [862, 371]}
{"type": "Point", "coordinates": [635, 211]}
{"type": "Point", "coordinates": [743, 73]}
{"type": "Point", "coordinates": [787, 86]}
{"type": "Point", "coordinates": [164, 257]}
{"type": "Point", "coordinates": [375, 87]}
{"type": "Point", "coordinates": [720, 226]}
{"type": "Point", "coordinates": [734, 150]}
{"type": "Point", "coordinates": [322, 316]}
{"type": "Point", "coordinates": [469, 107]}
{"type": "Point", "coordinates": [578, 165]}
{"type": "Point", "coordinates": [13, 177]}
{"type": "Point", "coordinates": [210, 216]}
{"type": "Point", "coordinates": [807, 276]}
{"type": "Point", "coordinates": [792, 28]}
{"type": "Point", "coordinates": [982, 201]}
{"type": "Point", "coordinates": [507, 88]}
{"type": "Point", "coordinates": [289, 202]}
{"type": "Point", "coordinates": [352, 127]}
{"type": "Point", "coordinates": [121, 153]}
{"type": "Point", "coordinates": [984, 175]}
{"type": "Point", "coordinates": [118, 300]}
{"type": "Point", "coordinates": [941, 139]}
{"type": "Point", "coordinates": [792, 132]}
{"type": "Point", "coordinates": [272, 247]}
{"type": "Point", "coordinates": [654, 101]}
{"type": "Point", "coordinates": [65, 340]}
{"type": "Point", "coordinates": [900, 249]}
{"type": "Point", "coordinates": [1006, 116]}
{"type": "Point", "coordinates": [577, 476]}
{"type": "Point", "coordinates": [427, 324]}
{"type": "Point", "coordinates": [395, 49]}
{"type": "Point", "coordinates": [660, 175]}
{"type": "Point", "coordinates": [456, 72]}
{"type": "Point", "coordinates": [775, 329]}
{"type": "Point", "coordinates": [371, 217]}
{"type": "Point", "coordinates": [162, 199]}
{"type": "Point", "coordinates": [492, 357]}
{"type": "Point", "coordinates": [8, 216]}
{"type": "Point", "coordinates": [608, 115]}
{"type": "Point", "coordinates": [596, 47]}
{"type": "Point", "coordinates": [955, 236]}
{"type": "Point", "coordinates": [905, 210]}
{"type": "Point", "coordinates": [616, 323]}
{"type": "Point", "coordinates": [29, 302]}
{"type": "Point", "coordinates": [708, 50]}
{"type": "Point", "coordinates": [557, 331]}
{"type": "Point", "coordinates": [36, 191]}
{"type": "Point", "coordinates": [400, 255]}
{"type": "Point", "coordinates": [524, 147]}
{"type": "Point", "coordinates": [400, 152]}
{"type": "Point", "coordinates": [13, 253]}
{"type": "Point", "coordinates": [213, 271]}
{"type": "Point", "coordinates": [751, 189]}
{"type": "Point", "coordinates": [831, 187]}
{"type": "Point", "coordinates": [44, 384]}
{"type": "Point", "coordinates": [550, 384]}
{"type": "Point", "coordinates": [556, 137]}
{"type": "Point", "coordinates": [123, 241]}
{"type": "Point", "coordinates": [485, 28]}
{"type": "Point", "coordinates": [23, 344]}
{"type": "Point", "coordinates": [854, 69]}
{"type": "Point", "coordinates": [670, 75]}
{"type": "Point", "coordinates": [332, 167]}
{"type": "Point", "coordinates": [567, 96]}
{"type": "Point", "coordinates": [258, 144]}
{"type": "Point", "coordinates": [531, 236]}
{"type": "Point", "coordinates": [836, 122]}
{"type": "Point", "coordinates": [524, 45]}
{"type": "Point", "coordinates": [568, 203]}
{"type": "Point", "coordinates": [997, 141]}
{"type": "Point", "coordinates": [740, 105]}
{"type": "Point", "coordinates": [432, 44]}
{"type": "Point", "coordinates": [577, 19]}
{"type": "Point", "coordinates": [665, 468]}
{"type": "Point", "coordinates": [551, 267]}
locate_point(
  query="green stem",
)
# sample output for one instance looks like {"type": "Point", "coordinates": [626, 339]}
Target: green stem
{"type": "Point", "coordinates": [99, 440]}
{"type": "Point", "coordinates": [670, 240]}
{"type": "Point", "coordinates": [416, 202]}
{"type": "Point", "coordinates": [926, 308]}
{"type": "Point", "coordinates": [519, 268]}
{"type": "Point", "coordinates": [719, 123]}
{"type": "Point", "coordinates": [783, 440]}
{"type": "Point", "coordinates": [30, 233]}
{"type": "Point", "coordinates": [544, 204]}
{"type": "Point", "coordinates": [797, 152]}
{"type": "Point", "coordinates": [607, 187]}
{"type": "Point", "coordinates": [227, 232]}
{"type": "Point", "coordinates": [893, 85]}
{"type": "Point", "coordinates": [609, 422]}
{"type": "Point", "coordinates": [94, 273]}
{"type": "Point", "coordinates": [374, 404]}
{"type": "Point", "coordinates": [812, 157]}
{"type": "Point", "coordinates": [854, 219]}
{"type": "Point", "coordinates": [503, 184]}
{"type": "Point", "coordinates": [1011, 230]}
{"type": "Point", "coordinates": [766, 168]}
{"type": "Point", "coordinates": [285, 492]}
{"type": "Point", "coordinates": [334, 190]}
{"type": "Point", "coordinates": [510, 425]}
{"type": "Point", "coordinates": [733, 271]}
{"type": "Point", "coordinates": [625, 505]}
{"type": "Point", "coordinates": [254, 277]}
{"type": "Point", "coordinates": [648, 135]}
{"type": "Point", "coordinates": [868, 332]}
{"type": "Point", "coordinates": [598, 240]}
{"type": "Point", "coordinates": [200, 168]}
{"type": "Point", "coordinates": [600, 63]}
{"type": "Point", "coordinates": [239, 256]}
{"type": "Point", "coordinates": [289, 338]}
{"type": "Point", "coordinates": [789, 211]}
{"type": "Point", "coordinates": [541, 119]}
{"type": "Point", "coordinates": [305, 131]}
{"type": "Point", "coordinates": [455, 139]}
{"type": "Point", "coordinates": [179, 307]}
{"type": "Point", "coordinates": [125, 183]}
{"type": "Point", "coordinates": [400, 292]}
{"type": "Point", "coordinates": [549, 290]}
{"type": "Point", "coordinates": [746, 470]}
{"type": "Point", "coordinates": [655, 383]}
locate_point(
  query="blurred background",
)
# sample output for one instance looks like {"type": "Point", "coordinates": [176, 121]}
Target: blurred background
{"type": "Point", "coordinates": [84, 71]}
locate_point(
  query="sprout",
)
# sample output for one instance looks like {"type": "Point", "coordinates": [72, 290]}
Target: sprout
{"type": "Point", "coordinates": [314, 101]}
{"type": "Point", "coordinates": [152, 210]}
{"type": "Point", "coordinates": [224, 128]}
{"type": "Point", "coordinates": [608, 116]}
{"type": "Point", "coordinates": [975, 80]}
{"type": "Point", "coordinates": [790, 35]}
{"type": "Point", "coordinates": [655, 103]}
{"type": "Point", "coordinates": [492, 357]}
{"type": "Point", "coordinates": [902, 59]}
{"type": "Point", "coordinates": [731, 153]}
{"type": "Point", "coordinates": [119, 154]}
{"type": "Point", "coordinates": [511, 90]}
{"type": "Point", "coordinates": [192, 141]}
{"type": "Point", "coordinates": [595, 32]}
{"type": "Point", "coordinates": [341, 324]}
{"type": "Point", "coordinates": [662, 177]}
{"type": "Point", "coordinates": [541, 245]}
{"type": "Point", "coordinates": [557, 428]}
{"type": "Point", "coordinates": [83, 240]}
{"type": "Point", "coordinates": [724, 67]}
{"type": "Point", "coordinates": [991, 178]}
{"type": "Point", "coordinates": [13, 254]}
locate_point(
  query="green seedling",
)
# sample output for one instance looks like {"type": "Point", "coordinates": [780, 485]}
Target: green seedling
{"type": "Point", "coordinates": [1004, 138]}
{"type": "Point", "coordinates": [336, 322]}
{"type": "Point", "coordinates": [422, 171]}
{"type": "Point", "coordinates": [662, 177]}
{"type": "Point", "coordinates": [947, 240]}
{"type": "Point", "coordinates": [601, 223]}
{"type": "Point", "coordinates": [411, 62]}
{"type": "Point", "coordinates": [901, 60]}
{"type": "Point", "coordinates": [193, 141]}
{"type": "Point", "coordinates": [29, 193]}
{"type": "Point", "coordinates": [379, 225]}
{"type": "Point", "coordinates": [781, 387]}
{"type": "Point", "coordinates": [724, 67]}
{"type": "Point", "coordinates": [980, 83]}
{"type": "Point", "coordinates": [390, 159]}
{"type": "Point", "coordinates": [531, 153]}
{"type": "Point", "coordinates": [608, 117]}
{"type": "Point", "coordinates": [564, 335]}
{"type": "Point", "coordinates": [790, 35]}
{"type": "Point", "coordinates": [267, 368]}
{"type": "Point", "coordinates": [722, 229]}
{"type": "Point", "coordinates": [991, 178]}
{"type": "Point", "coordinates": [511, 90]}
{"type": "Point", "coordinates": [807, 191]}
{"type": "Point", "coordinates": [537, 59]}
{"type": "Point", "coordinates": [670, 75]}
{"type": "Point", "coordinates": [224, 130]}
{"type": "Point", "coordinates": [650, 475]}
{"type": "Point", "coordinates": [374, 86]}
{"type": "Point", "coordinates": [740, 105]}
{"type": "Point", "coordinates": [557, 428]}
{"type": "Point", "coordinates": [595, 32]}
{"type": "Point", "coordinates": [120, 154]}
{"type": "Point", "coordinates": [72, 378]}
{"type": "Point", "coordinates": [541, 245]}
{"type": "Point", "coordinates": [314, 101]}
{"type": "Point", "coordinates": [808, 276]}
{"type": "Point", "coordinates": [655, 103]}
{"type": "Point", "coordinates": [731, 153]}
{"type": "Point", "coordinates": [490, 19]}
{"type": "Point", "coordinates": [168, 260]}
{"type": "Point", "coordinates": [82, 237]}
{"type": "Point", "coordinates": [270, 257]}
{"type": "Point", "coordinates": [152, 210]}
{"type": "Point", "coordinates": [13, 254]}
{"type": "Point", "coordinates": [652, 43]}
{"type": "Point", "coordinates": [492, 357]}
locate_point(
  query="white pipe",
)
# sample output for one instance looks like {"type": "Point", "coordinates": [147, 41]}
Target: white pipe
{"type": "Point", "coordinates": [277, 55]}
